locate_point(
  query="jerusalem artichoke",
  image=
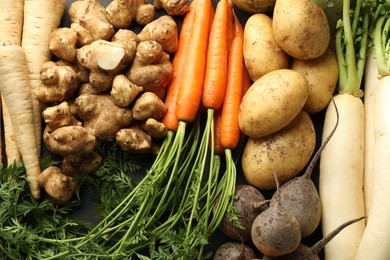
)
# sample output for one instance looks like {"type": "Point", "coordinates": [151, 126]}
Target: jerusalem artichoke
{"type": "Point", "coordinates": [101, 117]}
{"type": "Point", "coordinates": [123, 91]}
{"type": "Point", "coordinates": [162, 30]}
{"type": "Point", "coordinates": [151, 68]}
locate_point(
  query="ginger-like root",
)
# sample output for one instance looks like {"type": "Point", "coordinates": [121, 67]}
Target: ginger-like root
{"type": "Point", "coordinates": [148, 105]}
{"type": "Point", "coordinates": [62, 43]}
{"type": "Point", "coordinates": [59, 82]}
{"type": "Point", "coordinates": [84, 37]}
{"type": "Point", "coordinates": [129, 41]}
{"type": "Point", "coordinates": [121, 13]}
{"type": "Point", "coordinates": [134, 139]}
{"type": "Point", "coordinates": [101, 117]}
{"type": "Point", "coordinates": [90, 14]}
{"type": "Point", "coordinates": [172, 7]}
{"type": "Point", "coordinates": [103, 59]}
{"type": "Point", "coordinates": [123, 91]}
{"type": "Point", "coordinates": [162, 30]}
{"type": "Point", "coordinates": [58, 186]}
{"type": "Point", "coordinates": [154, 128]}
{"type": "Point", "coordinates": [81, 163]}
{"type": "Point", "coordinates": [151, 68]}
{"type": "Point", "coordinates": [70, 141]}
{"type": "Point", "coordinates": [56, 117]}
{"type": "Point", "coordinates": [77, 147]}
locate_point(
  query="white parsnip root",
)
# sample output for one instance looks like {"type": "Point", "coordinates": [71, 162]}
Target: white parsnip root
{"type": "Point", "coordinates": [15, 89]}
{"type": "Point", "coordinates": [11, 29]}
{"type": "Point", "coordinates": [40, 19]}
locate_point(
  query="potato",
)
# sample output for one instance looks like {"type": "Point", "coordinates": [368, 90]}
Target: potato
{"type": "Point", "coordinates": [255, 6]}
{"type": "Point", "coordinates": [290, 149]}
{"type": "Point", "coordinates": [272, 102]}
{"type": "Point", "coordinates": [322, 74]}
{"type": "Point", "coordinates": [301, 28]}
{"type": "Point", "coordinates": [262, 54]}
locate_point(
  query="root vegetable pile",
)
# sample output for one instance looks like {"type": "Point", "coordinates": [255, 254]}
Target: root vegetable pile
{"type": "Point", "coordinates": [206, 94]}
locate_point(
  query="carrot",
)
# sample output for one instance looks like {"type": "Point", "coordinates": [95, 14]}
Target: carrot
{"type": "Point", "coordinates": [11, 32]}
{"type": "Point", "coordinates": [218, 148]}
{"type": "Point", "coordinates": [190, 92]}
{"type": "Point", "coordinates": [15, 89]}
{"type": "Point", "coordinates": [41, 17]}
{"type": "Point", "coordinates": [178, 66]}
{"type": "Point", "coordinates": [341, 165]}
{"type": "Point", "coordinates": [216, 63]}
{"type": "Point", "coordinates": [230, 132]}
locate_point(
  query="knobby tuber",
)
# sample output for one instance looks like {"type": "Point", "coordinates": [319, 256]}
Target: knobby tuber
{"type": "Point", "coordinates": [59, 82]}
{"type": "Point", "coordinates": [62, 44]}
{"type": "Point", "coordinates": [121, 13]}
{"type": "Point", "coordinates": [172, 7]}
{"type": "Point", "coordinates": [134, 139]}
{"type": "Point", "coordinates": [123, 91]}
{"type": "Point", "coordinates": [57, 185]}
{"type": "Point", "coordinates": [162, 30]}
{"type": "Point", "coordinates": [56, 117]}
{"type": "Point", "coordinates": [84, 37]}
{"type": "Point", "coordinates": [101, 117]}
{"type": "Point", "coordinates": [77, 147]}
{"type": "Point", "coordinates": [90, 14]}
{"type": "Point", "coordinates": [154, 128]}
{"type": "Point", "coordinates": [151, 68]}
{"type": "Point", "coordinates": [148, 105]}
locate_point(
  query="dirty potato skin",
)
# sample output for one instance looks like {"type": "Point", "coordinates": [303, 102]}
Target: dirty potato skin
{"type": "Point", "coordinates": [258, 35]}
{"type": "Point", "coordinates": [301, 28]}
{"type": "Point", "coordinates": [255, 6]}
{"type": "Point", "coordinates": [322, 74]}
{"type": "Point", "coordinates": [290, 149]}
{"type": "Point", "coordinates": [272, 102]}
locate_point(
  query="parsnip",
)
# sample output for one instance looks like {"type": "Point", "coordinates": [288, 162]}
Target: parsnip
{"type": "Point", "coordinates": [41, 17]}
{"type": "Point", "coordinates": [11, 29]}
{"type": "Point", "coordinates": [15, 89]}
{"type": "Point", "coordinates": [341, 176]}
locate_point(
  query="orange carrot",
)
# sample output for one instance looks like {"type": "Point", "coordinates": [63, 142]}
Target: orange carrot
{"type": "Point", "coordinates": [230, 28]}
{"type": "Point", "coordinates": [218, 148]}
{"type": "Point", "coordinates": [190, 92]}
{"type": "Point", "coordinates": [230, 131]}
{"type": "Point", "coordinates": [217, 56]}
{"type": "Point", "coordinates": [15, 89]}
{"type": "Point", "coordinates": [40, 18]}
{"type": "Point", "coordinates": [178, 65]}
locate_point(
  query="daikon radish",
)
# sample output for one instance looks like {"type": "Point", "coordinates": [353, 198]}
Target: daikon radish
{"type": "Point", "coordinates": [341, 165]}
{"type": "Point", "coordinates": [41, 17]}
{"type": "Point", "coordinates": [370, 81]}
{"type": "Point", "coordinates": [15, 89]}
{"type": "Point", "coordinates": [376, 238]}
